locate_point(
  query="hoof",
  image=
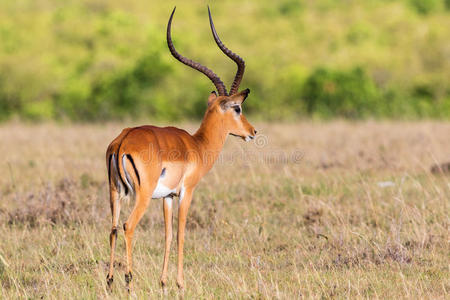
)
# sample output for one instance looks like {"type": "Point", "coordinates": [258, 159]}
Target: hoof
{"type": "Point", "coordinates": [180, 290]}
{"type": "Point", "coordinates": [128, 278]}
{"type": "Point", "coordinates": [164, 288]}
{"type": "Point", "coordinates": [109, 282]}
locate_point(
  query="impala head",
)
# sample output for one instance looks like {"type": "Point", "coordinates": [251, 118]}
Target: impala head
{"type": "Point", "coordinates": [227, 110]}
{"type": "Point", "coordinates": [224, 107]}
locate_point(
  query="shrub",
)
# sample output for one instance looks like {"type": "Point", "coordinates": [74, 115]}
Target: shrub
{"type": "Point", "coordinates": [426, 6]}
{"type": "Point", "coordinates": [290, 7]}
{"type": "Point", "coordinates": [350, 94]}
{"type": "Point", "coordinates": [9, 101]}
{"type": "Point", "coordinates": [121, 94]}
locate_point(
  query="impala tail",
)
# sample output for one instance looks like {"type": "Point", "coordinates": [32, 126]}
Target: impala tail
{"type": "Point", "coordinates": [123, 173]}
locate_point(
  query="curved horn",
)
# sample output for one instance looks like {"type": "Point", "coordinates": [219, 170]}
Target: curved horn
{"type": "Point", "coordinates": [236, 58]}
{"type": "Point", "coordinates": [195, 65]}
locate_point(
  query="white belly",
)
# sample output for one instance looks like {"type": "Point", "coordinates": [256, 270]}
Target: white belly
{"type": "Point", "coordinates": [162, 191]}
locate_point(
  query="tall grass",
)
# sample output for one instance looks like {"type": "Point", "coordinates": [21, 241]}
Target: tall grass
{"type": "Point", "coordinates": [334, 210]}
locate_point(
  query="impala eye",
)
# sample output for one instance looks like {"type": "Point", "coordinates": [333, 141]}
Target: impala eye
{"type": "Point", "coordinates": [237, 109]}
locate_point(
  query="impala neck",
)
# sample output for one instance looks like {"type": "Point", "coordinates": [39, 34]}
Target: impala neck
{"type": "Point", "coordinates": [211, 137]}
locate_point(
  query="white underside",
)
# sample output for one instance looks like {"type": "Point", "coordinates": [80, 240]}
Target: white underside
{"type": "Point", "coordinates": [162, 191]}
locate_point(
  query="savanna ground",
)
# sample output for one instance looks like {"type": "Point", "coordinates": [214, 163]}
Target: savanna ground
{"type": "Point", "coordinates": [314, 210]}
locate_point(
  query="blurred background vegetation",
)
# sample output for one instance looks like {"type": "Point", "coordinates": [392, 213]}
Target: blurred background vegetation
{"type": "Point", "coordinates": [95, 60]}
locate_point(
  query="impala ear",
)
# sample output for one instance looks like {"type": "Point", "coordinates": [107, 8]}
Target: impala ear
{"type": "Point", "coordinates": [212, 97]}
{"type": "Point", "coordinates": [241, 96]}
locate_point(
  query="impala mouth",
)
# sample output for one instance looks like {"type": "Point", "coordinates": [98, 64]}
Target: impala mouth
{"type": "Point", "coordinates": [245, 138]}
{"type": "Point", "coordinates": [249, 138]}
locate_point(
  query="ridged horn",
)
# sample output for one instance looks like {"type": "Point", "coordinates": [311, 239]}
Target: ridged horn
{"type": "Point", "coordinates": [195, 65]}
{"type": "Point", "coordinates": [236, 58]}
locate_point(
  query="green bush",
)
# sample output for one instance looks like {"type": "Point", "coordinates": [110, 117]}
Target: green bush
{"type": "Point", "coordinates": [349, 94]}
{"type": "Point", "coordinates": [426, 6]}
{"type": "Point", "coordinates": [118, 95]}
{"type": "Point", "coordinates": [290, 7]}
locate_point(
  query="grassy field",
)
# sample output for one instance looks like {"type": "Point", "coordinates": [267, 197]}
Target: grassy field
{"type": "Point", "coordinates": [311, 210]}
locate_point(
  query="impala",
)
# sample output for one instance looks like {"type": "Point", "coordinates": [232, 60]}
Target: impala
{"type": "Point", "coordinates": [150, 162]}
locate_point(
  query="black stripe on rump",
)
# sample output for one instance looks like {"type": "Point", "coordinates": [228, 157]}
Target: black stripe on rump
{"type": "Point", "coordinates": [118, 171]}
{"type": "Point", "coordinates": [117, 161]}
{"type": "Point", "coordinates": [109, 168]}
{"type": "Point", "coordinates": [134, 167]}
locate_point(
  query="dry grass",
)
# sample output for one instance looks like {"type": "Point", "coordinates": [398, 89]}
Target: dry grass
{"type": "Point", "coordinates": [359, 215]}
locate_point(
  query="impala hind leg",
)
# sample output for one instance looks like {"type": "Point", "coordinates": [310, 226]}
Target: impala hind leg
{"type": "Point", "coordinates": [141, 203]}
{"type": "Point", "coordinates": [115, 212]}
{"type": "Point", "coordinates": [185, 202]}
{"type": "Point", "coordinates": [167, 209]}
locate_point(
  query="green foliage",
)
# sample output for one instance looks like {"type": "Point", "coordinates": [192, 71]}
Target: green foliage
{"type": "Point", "coordinates": [121, 94]}
{"type": "Point", "coordinates": [7, 102]}
{"type": "Point", "coordinates": [350, 94]}
{"type": "Point", "coordinates": [289, 7]}
{"type": "Point", "coordinates": [92, 60]}
{"type": "Point", "coordinates": [427, 6]}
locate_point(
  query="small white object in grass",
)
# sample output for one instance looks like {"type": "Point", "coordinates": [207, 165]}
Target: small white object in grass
{"type": "Point", "coordinates": [384, 184]}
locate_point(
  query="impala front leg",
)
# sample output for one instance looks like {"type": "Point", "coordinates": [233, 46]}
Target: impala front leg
{"type": "Point", "coordinates": [185, 202]}
{"type": "Point", "coordinates": [167, 208]}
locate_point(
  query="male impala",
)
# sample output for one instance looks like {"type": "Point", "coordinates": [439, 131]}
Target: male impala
{"type": "Point", "coordinates": [149, 162]}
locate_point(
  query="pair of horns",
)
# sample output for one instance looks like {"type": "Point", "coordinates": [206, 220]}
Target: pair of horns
{"type": "Point", "coordinates": [220, 86]}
